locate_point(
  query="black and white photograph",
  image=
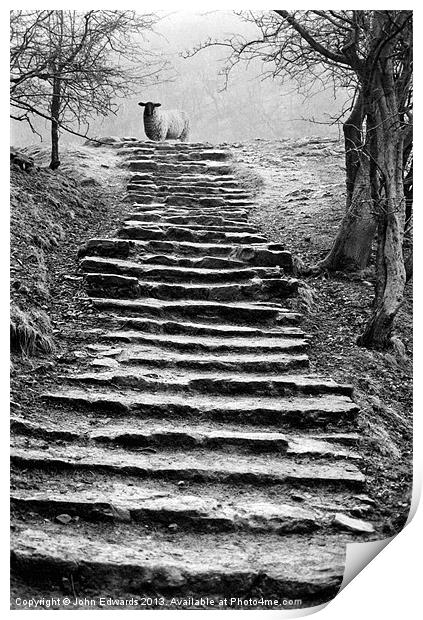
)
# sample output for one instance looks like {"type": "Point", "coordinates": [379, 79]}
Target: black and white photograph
{"type": "Point", "coordinates": [211, 330]}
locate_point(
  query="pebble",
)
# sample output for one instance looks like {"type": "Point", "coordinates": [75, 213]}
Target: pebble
{"type": "Point", "coordinates": [64, 518]}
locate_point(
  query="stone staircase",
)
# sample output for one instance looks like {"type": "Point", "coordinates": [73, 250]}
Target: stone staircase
{"type": "Point", "coordinates": [191, 453]}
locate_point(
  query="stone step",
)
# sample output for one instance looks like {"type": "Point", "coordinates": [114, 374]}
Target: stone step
{"type": "Point", "coordinates": [208, 344]}
{"type": "Point", "coordinates": [150, 271]}
{"type": "Point", "coordinates": [206, 198]}
{"type": "Point", "coordinates": [195, 167]}
{"type": "Point", "coordinates": [258, 255]}
{"type": "Point", "coordinates": [123, 562]}
{"type": "Point", "coordinates": [190, 157]}
{"type": "Point", "coordinates": [232, 313]}
{"type": "Point", "coordinates": [151, 198]}
{"type": "Point", "coordinates": [213, 383]}
{"type": "Point", "coordinates": [200, 329]}
{"type": "Point", "coordinates": [224, 227]}
{"type": "Point", "coordinates": [200, 190]}
{"type": "Point", "coordinates": [203, 190]}
{"type": "Point", "coordinates": [195, 465]}
{"type": "Point", "coordinates": [133, 230]}
{"type": "Point", "coordinates": [296, 411]}
{"type": "Point", "coordinates": [209, 154]}
{"type": "Point", "coordinates": [113, 285]}
{"type": "Point", "coordinates": [188, 512]}
{"type": "Point", "coordinates": [153, 434]}
{"type": "Point", "coordinates": [183, 146]}
{"type": "Point", "coordinates": [193, 216]}
{"type": "Point", "coordinates": [205, 262]}
{"type": "Point", "coordinates": [148, 195]}
{"type": "Point", "coordinates": [202, 180]}
{"type": "Point", "coordinates": [188, 200]}
{"type": "Point", "coordinates": [190, 217]}
{"type": "Point", "coordinates": [267, 362]}
{"type": "Point", "coordinates": [151, 204]}
{"type": "Point", "coordinates": [165, 146]}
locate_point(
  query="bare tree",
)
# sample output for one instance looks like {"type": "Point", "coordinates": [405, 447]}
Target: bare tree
{"type": "Point", "coordinates": [69, 66]}
{"type": "Point", "coordinates": [370, 53]}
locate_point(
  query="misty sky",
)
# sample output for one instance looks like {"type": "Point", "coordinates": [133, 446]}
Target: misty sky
{"type": "Point", "coordinates": [249, 108]}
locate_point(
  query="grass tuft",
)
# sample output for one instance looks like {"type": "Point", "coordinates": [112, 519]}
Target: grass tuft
{"type": "Point", "coordinates": [306, 297]}
{"type": "Point", "coordinates": [30, 332]}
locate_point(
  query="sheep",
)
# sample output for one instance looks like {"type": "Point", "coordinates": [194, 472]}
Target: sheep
{"type": "Point", "coordinates": [167, 125]}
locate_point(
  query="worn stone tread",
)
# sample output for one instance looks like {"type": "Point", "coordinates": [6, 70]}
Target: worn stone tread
{"type": "Point", "coordinates": [124, 503]}
{"type": "Point", "coordinates": [223, 383]}
{"type": "Point", "coordinates": [270, 363]}
{"type": "Point", "coordinates": [254, 344]}
{"type": "Point", "coordinates": [294, 410]}
{"type": "Point", "coordinates": [224, 227]}
{"type": "Point", "coordinates": [233, 313]}
{"type": "Point", "coordinates": [205, 329]}
{"type": "Point", "coordinates": [301, 567]}
{"type": "Point", "coordinates": [198, 465]}
{"type": "Point", "coordinates": [194, 216]}
{"type": "Point", "coordinates": [135, 230]}
{"type": "Point", "coordinates": [193, 254]}
{"type": "Point", "coordinates": [112, 284]}
{"type": "Point", "coordinates": [152, 434]}
{"type": "Point", "coordinates": [175, 273]}
{"type": "Point", "coordinates": [215, 435]}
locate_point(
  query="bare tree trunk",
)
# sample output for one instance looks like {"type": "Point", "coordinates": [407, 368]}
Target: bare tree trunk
{"type": "Point", "coordinates": [386, 170]}
{"type": "Point", "coordinates": [408, 193]}
{"type": "Point", "coordinates": [408, 264]}
{"type": "Point", "coordinates": [353, 243]}
{"type": "Point", "coordinates": [390, 274]}
{"type": "Point", "coordinates": [55, 117]}
{"type": "Point", "coordinates": [353, 139]}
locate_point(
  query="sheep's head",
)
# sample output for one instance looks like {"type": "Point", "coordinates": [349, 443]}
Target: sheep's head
{"type": "Point", "coordinates": [149, 107]}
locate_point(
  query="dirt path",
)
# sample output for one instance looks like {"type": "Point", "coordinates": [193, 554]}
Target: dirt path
{"type": "Point", "coordinates": [189, 451]}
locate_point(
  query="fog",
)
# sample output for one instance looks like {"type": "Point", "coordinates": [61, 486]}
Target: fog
{"type": "Point", "coordinates": [250, 107]}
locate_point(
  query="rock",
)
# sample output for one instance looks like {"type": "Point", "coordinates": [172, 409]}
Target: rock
{"type": "Point", "coordinates": [101, 141]}
{"type": "Point", "coordinates": [72, 278]}
{"type": "Point", "coordinates": [111, 352]}
{"type": "Point", "coordinates": [79, 354]}
{"type": "Point", "coordinates": [104, 362]}
{"type": "Point", "coordinates": [105, 247]}
{"type": "Point", "coordinates": [20, 159]}
{"type": "Point", "coordinates": [64, 518]}
{"type": "Point", "coordinates": [120, 514]}
{"type": "Point", "coordinates": [104, 350]}
{"type": "Point", "coordinates": [89, 182]}
{"type": "Point", "coordinates": [365, 498]}
{"type": "Point", "coordinates": [115, 285]}
{"type": "Point", "coordinates": [171, 577]}
{"type": "Point", "coordinates": [354, 525]}
{"type": "Point", "coordinates": [97, 348]}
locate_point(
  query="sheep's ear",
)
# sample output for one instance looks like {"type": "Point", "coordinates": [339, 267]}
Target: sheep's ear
{"type": "Point", "coordinates": [157, 105]}
{"type": "Point", "coordinates": [141, 103]}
